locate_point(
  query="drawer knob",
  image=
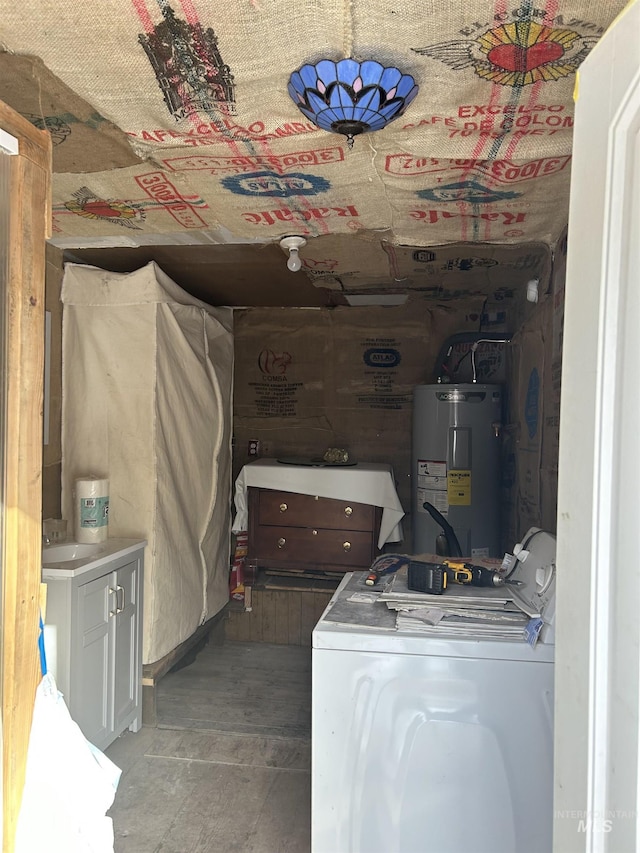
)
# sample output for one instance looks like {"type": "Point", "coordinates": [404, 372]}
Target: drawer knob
{"type": "Point", "coordinates": [348, 510]}
{"type": "Point", "coordinates": [346, 546]}
{"type": "Point", "coordinates": [281, 542]}
{"type": "Point", "coordinates": [314, 532]}
{"type": "Point", "coordinates": [283, 507]}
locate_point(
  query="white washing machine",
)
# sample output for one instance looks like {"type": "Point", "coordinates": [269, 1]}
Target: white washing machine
{"type": "Point", "coordinates": [433, 744]}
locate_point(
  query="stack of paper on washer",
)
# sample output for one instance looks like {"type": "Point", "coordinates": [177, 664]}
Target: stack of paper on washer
{"type": "Point", "coordinates": [478, 611]}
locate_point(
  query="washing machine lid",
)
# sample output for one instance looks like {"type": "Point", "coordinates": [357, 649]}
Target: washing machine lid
{"type": "Point", "coordinates": [534, 575]}
{"type": "Point", "coordinates": [351, 624]}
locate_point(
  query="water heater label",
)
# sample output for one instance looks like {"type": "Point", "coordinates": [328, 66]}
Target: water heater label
{"type": "Point", "coordinates": [437, 498]}
{"type": "Point", "coordinates": [430, 472]}
{"type": "Point", "coordinates": [432, 485]}
{"type": "Point", "coordinates": [480, 552]}
{"type": "Point", "coordinates": [459, 488]}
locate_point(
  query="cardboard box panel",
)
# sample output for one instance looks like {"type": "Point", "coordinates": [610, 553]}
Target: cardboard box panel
{"type": "Point", "coordinates": [308, 380]}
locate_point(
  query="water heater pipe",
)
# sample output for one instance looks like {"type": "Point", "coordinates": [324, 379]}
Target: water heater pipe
{"type": "Point", "coordinates": [467, 338]}
{"type": "Point", "coordinates": [453, 546]}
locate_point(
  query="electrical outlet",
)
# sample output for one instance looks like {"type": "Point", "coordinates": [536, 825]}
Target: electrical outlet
{"type": "Point", "coordinates": [253, 447]}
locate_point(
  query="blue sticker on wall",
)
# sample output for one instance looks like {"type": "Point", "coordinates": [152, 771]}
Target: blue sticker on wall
{"type": "Point", "coordinates": [531, 403]}
{"type": "Point", "coordinates": [274, 185]}
{"type": "Point", "coordinates": [469, 191]}
{"type": "Point", "coordinates": [382, 357]}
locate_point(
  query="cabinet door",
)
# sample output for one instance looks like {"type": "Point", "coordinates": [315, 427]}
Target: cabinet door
{"type": "Point", "coordinates": [89, 700]}
{"type": "Point", "coordinates": [126, 654]}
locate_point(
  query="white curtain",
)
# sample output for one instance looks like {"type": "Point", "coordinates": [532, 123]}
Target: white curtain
{"type": "Point", "coordinates": [147, 383]}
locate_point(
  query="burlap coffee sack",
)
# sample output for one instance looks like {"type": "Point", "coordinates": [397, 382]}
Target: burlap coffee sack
{"type": "Point", "coordinates": [127, 202]}
{"type": "Point", "coordinates": [83, 140]}
{"type": "Point", "coordinates": [441, 200]}
{"type": "Point", "coordinates": [493, 83]}
{"type": "Point", "coordinates": [318, 188]}
{"type": "Point", "coordinates": [285, 189]}
{"type": "Point", "coordinates": [496, 80]}
{"type": "Point", "coordinates": [189, 67]}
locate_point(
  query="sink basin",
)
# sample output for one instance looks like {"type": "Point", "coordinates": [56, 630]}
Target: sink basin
{"type": "Point", "coordinates": [73, 559]}
{"type": "Point", "coordinates": [67, 551]}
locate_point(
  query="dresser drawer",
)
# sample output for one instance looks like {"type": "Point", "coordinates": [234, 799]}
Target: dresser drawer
{"type": "Point", "coordinates": [290, 509]}
{"type": "Point", "coordinates": [309, 546]}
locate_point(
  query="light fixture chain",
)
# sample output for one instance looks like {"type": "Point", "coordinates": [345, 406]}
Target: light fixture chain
{"type": "Point", "coordinates": [348, 28]}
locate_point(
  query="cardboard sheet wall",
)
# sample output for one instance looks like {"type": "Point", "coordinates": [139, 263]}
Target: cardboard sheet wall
{"type": "Point", "coordinates": [531, 437]}
{"type": "Point", "coordinates": [147, 383]}
{"type": "Point", "coordinates": [308, 379]}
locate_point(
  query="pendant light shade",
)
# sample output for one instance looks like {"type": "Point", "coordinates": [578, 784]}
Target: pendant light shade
{"type": "Point", "coordinates": [351, 97]}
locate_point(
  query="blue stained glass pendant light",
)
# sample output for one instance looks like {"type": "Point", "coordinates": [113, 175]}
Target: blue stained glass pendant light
{"type": "Point", "coordinates": [351, 97]}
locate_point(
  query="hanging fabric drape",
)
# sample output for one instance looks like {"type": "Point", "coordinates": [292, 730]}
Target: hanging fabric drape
{"type": "Point", "coordinates": [147, 373]}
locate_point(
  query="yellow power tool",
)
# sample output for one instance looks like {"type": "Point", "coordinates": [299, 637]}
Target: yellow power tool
{"type": "Point", "coordinates": [468, 573]}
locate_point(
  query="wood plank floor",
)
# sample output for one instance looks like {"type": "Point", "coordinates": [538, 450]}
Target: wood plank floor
{"type": "Point", "coordinates": [282, 611]}
{"type": "Point", "coordinates": [228, 768]}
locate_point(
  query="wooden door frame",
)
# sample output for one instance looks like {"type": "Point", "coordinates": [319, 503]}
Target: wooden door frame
{"type": "Point", "coordinates": [30, 221]}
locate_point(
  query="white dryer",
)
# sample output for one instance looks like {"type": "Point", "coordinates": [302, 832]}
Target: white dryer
{"type": "Point", "coordinates": [433, 744]}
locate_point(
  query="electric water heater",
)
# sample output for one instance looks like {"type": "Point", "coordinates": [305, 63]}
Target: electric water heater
{"type": "Point", "coordinates": [456, 467]}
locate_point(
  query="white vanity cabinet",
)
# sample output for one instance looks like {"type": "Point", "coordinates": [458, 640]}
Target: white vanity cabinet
{"type": "Point", "coordinates": [93, 638]}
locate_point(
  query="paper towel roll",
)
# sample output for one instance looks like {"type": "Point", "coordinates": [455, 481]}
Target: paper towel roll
{"type": "Point", "coordinates": [91, 497]}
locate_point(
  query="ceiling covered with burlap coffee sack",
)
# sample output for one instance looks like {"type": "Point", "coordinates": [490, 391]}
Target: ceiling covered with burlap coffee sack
{"type": "Point", "coordinates": [174, 132]}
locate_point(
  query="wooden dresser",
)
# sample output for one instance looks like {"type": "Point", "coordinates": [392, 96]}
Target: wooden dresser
{"type": "Point", "coordinates": [288, 530]}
